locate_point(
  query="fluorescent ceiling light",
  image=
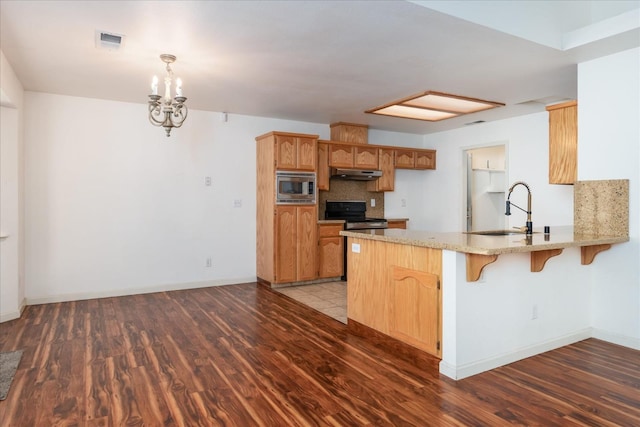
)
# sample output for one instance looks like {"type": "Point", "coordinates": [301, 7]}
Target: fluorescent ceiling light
{"type": "Point", "coordinates": [434, 106]}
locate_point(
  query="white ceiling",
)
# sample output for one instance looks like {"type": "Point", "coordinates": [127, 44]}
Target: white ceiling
{"type": "Point", "coordinates": [319, 61]}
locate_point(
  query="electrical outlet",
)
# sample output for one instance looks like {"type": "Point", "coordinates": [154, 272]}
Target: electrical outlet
{"type": "Point", "coordinates": [355, 248]}
{"type": "Point", "coordinates": [237, 203]}
{"type": "Point", "coordinates": [534, 312]}
{"type": "Point", "coordinates": [208, 264]}
{"type": "Point", "coordinates": [373, 203]}
{"type": "Point", "coordinates": [403, 203]}
{"type": "Point", "coordinates": [207, 181]}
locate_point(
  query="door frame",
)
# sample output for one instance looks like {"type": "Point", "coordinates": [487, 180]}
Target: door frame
{"type": "Point", "coordinates": [465, 167]}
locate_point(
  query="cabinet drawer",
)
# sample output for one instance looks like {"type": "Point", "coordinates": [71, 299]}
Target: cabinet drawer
{"type": "Point", "coordinates": [329, 230]}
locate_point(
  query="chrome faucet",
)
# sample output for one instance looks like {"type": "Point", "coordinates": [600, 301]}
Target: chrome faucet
{"type": "Point", "coordinates": [528, 211]}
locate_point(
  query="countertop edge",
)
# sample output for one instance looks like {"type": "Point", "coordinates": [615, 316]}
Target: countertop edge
{"type": "Point", "coordinates": [505, 244]}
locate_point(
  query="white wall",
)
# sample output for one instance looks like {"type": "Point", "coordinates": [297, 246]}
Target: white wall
{"type": "Point", "coordinates": [527, 139]}
{"type": "Point", "coordinates": [114, 207]}
{"type": "Point", "coordinates": [11, 194]}
{"type": "Point", "coordinates": [609, 148]}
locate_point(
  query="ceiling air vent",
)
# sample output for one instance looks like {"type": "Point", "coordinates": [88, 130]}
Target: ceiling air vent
{"type": "Point", "coordinates": [109, 41]}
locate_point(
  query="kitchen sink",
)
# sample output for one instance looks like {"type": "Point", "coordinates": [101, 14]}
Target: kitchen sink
{"type": "Point", "coordinates": [497, 232]}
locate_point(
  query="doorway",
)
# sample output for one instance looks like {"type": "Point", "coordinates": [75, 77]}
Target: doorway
{"type": "Point", "coordinates": [486, 171]}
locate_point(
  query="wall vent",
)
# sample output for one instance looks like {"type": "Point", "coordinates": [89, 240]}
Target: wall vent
{"type": "Point", "coordinates": [109, 41]}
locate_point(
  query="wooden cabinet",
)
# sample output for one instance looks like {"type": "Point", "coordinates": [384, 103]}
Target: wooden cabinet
{"type": "Point", "coordinates": [386, 164]}
{"type": "Point", "coordinates": [405, 159]}
{"type": "Point", "coordinates": [330, 251]}
{"type": "Point", "coordinates": [397, 223]}
{"type": "Point", "coordinates": [286, 236]}
{"type": "Point", "coordinates": [350, 132]}
{"type": "Point", "coordinates": [295, 254]}
{"type": "Point", "coordinates": [395, 289]}
{"type": "Point", "coordinates": [415, 159]}
{"type": "Point", "coordinates": [295, 152]}
{"type": "Point", "coordinates": [341, 156]}
{"type": "Point", "coordinates": [414, 316]}
{"type": "Point", "coordinates": [563, 143]}
{"type": "Point", "coordinates": [323, 167]}
{"type": "Point", "coordinates": [425, 159]}
{"type": "Point", "coordinates": [365, 158]}
{"type": "Point", "coordinates": [353, 156]}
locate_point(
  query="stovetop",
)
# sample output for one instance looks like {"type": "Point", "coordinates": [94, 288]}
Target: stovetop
{"type": "Point", "coordinates": [353, 212]}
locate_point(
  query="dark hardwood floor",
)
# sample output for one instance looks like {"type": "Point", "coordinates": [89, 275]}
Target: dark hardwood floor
{"type": "Point", "coordinates": [244, 355]}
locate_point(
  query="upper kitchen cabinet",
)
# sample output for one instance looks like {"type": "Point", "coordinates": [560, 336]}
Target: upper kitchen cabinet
{"type": "Point", "coordinates": [386, 182]}
{"type": "Point", "coordinates": [365, 158]}
{"type": "Point", "coordinates": [341, 155]}
{"type": "Point", "coordinates": [415, 159]}
{"type": "Point", "coordinates": [350, 132]}
{"type": "Point", "coordinates": [296, 152]}
{"type": "Point", "coordinates": [353, 156]}
{"type": "Point", "coordinates": [563, 143]}
{"type": "Point", "coordinates": [323, 166]}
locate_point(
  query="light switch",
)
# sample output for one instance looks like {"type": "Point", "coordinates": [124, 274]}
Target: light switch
{"type": "Point", "coordinates": [237, 203]}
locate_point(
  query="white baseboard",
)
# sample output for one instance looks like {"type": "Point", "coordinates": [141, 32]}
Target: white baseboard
{"type": "Point", "coordinates": [463, 371]}
{"type": "Point", "coordinates": [124, 292]}
{"type": "Point", "coordinates": [12, 315]}
{"type": "Point", "coordinates": [622, 340]}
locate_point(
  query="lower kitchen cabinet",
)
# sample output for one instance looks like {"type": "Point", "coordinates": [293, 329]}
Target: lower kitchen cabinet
{"type": "Point", "coordinates": [330, 251]}
{"type": "Point", "coordinates": [414, 316]}
{"type": "Point", "coordinates": [395, 289]}
{"type": "Point", "coordinates": [295, 243]}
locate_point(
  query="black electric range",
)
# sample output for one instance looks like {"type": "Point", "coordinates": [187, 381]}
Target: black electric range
{"type": "Point", "coordinates": [354, 213]}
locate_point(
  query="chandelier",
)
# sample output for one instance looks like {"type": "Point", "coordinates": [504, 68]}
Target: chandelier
{"type": "Point", "coordinates": [164, 111]}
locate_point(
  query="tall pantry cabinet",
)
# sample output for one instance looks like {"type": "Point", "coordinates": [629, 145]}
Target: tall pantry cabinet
{"type": "Point", "coordinates": [286, 235]}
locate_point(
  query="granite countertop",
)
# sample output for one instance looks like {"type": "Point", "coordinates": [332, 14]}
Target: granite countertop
{"type": "Point", "coordinates": [560, 237]}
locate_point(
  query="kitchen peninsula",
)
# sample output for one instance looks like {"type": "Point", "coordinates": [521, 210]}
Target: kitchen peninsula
{"type": "Point", "coordinates": [426, 289]}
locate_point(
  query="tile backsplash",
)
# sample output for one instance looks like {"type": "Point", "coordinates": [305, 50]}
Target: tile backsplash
{"type": "Point", "coordinates": [340, 189]}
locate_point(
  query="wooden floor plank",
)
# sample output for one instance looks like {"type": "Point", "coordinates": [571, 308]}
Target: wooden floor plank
{"type": "Point", "coordinates": [245, 355]}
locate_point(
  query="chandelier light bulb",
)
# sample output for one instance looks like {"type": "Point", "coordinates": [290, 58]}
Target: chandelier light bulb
{"type": "Point", "coordinates": [165, 111]}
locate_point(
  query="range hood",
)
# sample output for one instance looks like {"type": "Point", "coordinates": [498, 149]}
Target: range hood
{"type": "Point", "coordinates": [355, 174]}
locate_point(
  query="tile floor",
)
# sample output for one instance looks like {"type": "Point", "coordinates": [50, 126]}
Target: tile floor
{"type": "Point", "coordinates": [329, 298]}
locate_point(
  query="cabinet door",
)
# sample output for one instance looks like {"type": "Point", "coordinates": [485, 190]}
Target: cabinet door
{"type": "Point", "coordinates": [307, 220]}
{"type": "Point", "coordinates": [387, 181]}
{"type": "Point", "coordinates": [340, 156]}
{"type": "Point", "coordinates": [285, 244]}
{"type": "Point", "coordinates": [415, 309]}
{"type": "Point", "coordinates": [563, 143]}
{"type": "Point", "coordinates": [306, 154]}
{"type": "Point", "coordinates": [425, 160]}
{"type": "Point", "coordinates": [323, 167]}
{"type": "Point", "coordinates": [366, 157]}
{"type": "Point", "coordinates": [286, 152]}
{"type": "Point", "coordinates": [330, 257]}
{"type": "Point", "coordinates": [405, 159]}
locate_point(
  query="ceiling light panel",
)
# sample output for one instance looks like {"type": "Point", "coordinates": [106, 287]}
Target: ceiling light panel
{"type": "Point", "coordinates": [434, 106]}
{"type": "Point", "coordinates": [414, 113]}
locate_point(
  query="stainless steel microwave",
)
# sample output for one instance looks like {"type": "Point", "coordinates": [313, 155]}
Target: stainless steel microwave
{"type": "Point", "coordinates": [295, 188]}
